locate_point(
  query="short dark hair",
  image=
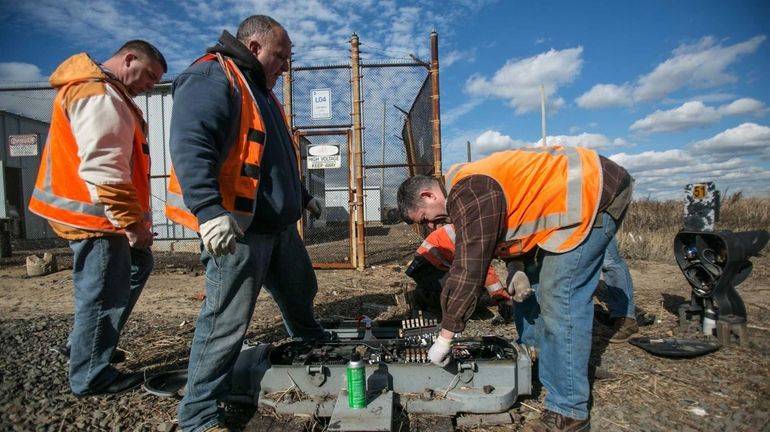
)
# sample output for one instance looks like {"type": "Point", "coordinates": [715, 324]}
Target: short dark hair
{"type": "Point", "coordinates": [145, 48]}
{"type": "Point", "coordinates": [408, 196]}
{"type": "Point", "coordinates": [256, 24]}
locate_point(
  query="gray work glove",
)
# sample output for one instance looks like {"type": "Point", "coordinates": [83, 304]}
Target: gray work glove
{"type": "Point", "coordinates": [219, 235]}
{"type": "Point", "coordinates": [519, 288]}
{"type": "Point", "coordinates": [314, 207]}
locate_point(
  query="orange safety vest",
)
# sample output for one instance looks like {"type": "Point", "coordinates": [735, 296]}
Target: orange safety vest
{"type": "Point", "coordinates": [60, 194]}
{"type": "Point", "coordinates": [439, 249]}
{"type": "Point", "coordinates": [239, 174]}
{"type": "Point", "coordinates": [552, 195]}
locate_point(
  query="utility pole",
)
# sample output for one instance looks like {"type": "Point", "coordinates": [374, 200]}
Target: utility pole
{"type": "Point", "coordinates": [468, 150]}
{"type": "Point", "coordinates": [542, 110]}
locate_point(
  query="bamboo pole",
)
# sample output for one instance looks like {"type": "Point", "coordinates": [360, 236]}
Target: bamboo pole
{"type": "Point", "coordinates": [436, 121]}
{"type": "Point", "coordinates": [358, 153]}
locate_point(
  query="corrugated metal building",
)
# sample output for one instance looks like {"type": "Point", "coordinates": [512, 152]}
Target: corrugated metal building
{"type": "Point", "coordinates": [23, 138]}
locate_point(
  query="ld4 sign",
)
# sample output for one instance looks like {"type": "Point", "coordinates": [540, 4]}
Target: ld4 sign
{"type": "Point", "coordinates": [321, 104]}
{"type": "Point", "coordinates": [323, 156]}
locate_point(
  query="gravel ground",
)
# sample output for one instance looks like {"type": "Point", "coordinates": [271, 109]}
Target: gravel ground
{"type": "Point", "coordinates": [726, 390]}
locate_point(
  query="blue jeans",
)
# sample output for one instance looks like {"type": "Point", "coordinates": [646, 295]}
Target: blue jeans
{"type": "Point", "coordinates": [559, 319]}
{"type": "Point", "coordinates": [617, 279]}
{"type": "Point", "coordinates": [279, 262]}
{"type": "Point", "coordinates": [109, 276]}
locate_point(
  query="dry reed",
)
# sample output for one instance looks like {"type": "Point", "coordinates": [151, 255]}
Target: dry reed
{"type": "Point", "coordinates": [650, 226]}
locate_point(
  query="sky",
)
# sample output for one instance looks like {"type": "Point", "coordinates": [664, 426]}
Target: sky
{"type": "Point", "coordinates": [677, 92]}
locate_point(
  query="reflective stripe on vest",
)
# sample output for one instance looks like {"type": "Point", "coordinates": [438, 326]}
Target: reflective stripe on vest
{"type": "Point", "coordinates": [72, 204]}
{"type": "Point", "coordinates": [438, 248]}
{"type": "Point", "coordinates": [240, 171]}
{"type": "Point", "coordinates": [554, 208]}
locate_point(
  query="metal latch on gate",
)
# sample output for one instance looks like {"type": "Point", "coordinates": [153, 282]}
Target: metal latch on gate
{"type": "Point", "coordinates": [317, 374]}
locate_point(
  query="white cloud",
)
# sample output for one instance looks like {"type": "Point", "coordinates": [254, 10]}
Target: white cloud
{"type": "Point", "coordinates": [603, 95]}
{"type": "Point", "coordinates": [744, 106]}
{"type": "Point", "coordinates": [184, 31]}
{"type": "Point", "coordinates": [661, 175]}
{"type": "Point", "coordinates": [689, 115]}
{"type": "Point", "coordinates": [454, 56]}
{"type": "Point", "coordinates": [519, 81]}
{"type": "Point", "coordinates": [742, 139]}
{"type": "Point", "coordinates": [452, 115]}
{"type": "Point", "coordinates": [589, 140]}
{"type": "Point", "coordinates": [491, 141]}
{"type": "Point", "coordinates": [651, 160]}
{"type": "Point", "coordinates": [695, 114]}
{"type": "Point", "coordinates": [20, 73]}
{"type": "Point", "coordinates": [699, 65]}
{"type": "Point", "coordinates": [703, 64]}
{"type": "Point", "coordinates": [735, 159]}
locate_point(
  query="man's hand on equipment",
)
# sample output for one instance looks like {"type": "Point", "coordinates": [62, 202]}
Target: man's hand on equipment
{"type": "Point", "coordinates": [439, 351]}
{"type": "Point", "coordinates": [219, 235]}
{"type": "Point", "coordinates": [519, 287]}
{"type": "Point", "coordinates": [314, 207]}
{"type": "Point", "coordinates": [139, 235]}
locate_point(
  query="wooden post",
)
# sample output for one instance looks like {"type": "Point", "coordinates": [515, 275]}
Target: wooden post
{"type": "Point", "coordinates": [288, 108]}
{"type": "Point", "coordinates": [287, 111]}
{"type": "Point", "coordinates": [436, 121]}
{"type": "Point", "coordinates": [360, 258]}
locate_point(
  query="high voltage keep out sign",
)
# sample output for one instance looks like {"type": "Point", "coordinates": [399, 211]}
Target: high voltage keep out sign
{"type": "Point", "coordinates": [22, 145]}
{"type": "Point", "coordinates": [323, 156]}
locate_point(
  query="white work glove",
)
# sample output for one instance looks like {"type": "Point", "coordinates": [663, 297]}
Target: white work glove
{"type": "Point", "coordinates": [314, 207]}
{"type": "Point", "coordinates": [439, 351]}
{"type": "Point", "coordinates": [219, 235]}
{"type": "Point", "coordinates": [519, 288]}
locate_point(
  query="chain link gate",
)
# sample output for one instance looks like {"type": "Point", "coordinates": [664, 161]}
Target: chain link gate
{"type": "Point", "coordinates": [389, 111]}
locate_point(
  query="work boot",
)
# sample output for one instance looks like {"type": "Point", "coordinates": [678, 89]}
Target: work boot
{"type": "Point", "coordinates": [122, 383]}
{"type": "Point", "coordinates": [598, 373]}
{"type": "Point", "coordinates": [623, 329]}
{"type": "Point", "coordinates": [550, 421]}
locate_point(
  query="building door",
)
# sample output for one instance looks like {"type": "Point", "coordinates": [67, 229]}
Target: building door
{"type": "Point", "coordinates": [326, 172]}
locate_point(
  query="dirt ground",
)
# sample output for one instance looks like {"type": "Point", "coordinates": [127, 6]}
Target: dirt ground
{"type": "Point", "coordinates": [725, 390]}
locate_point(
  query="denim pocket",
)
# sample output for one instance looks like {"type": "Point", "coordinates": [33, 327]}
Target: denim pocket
{"type": "Point", "coordinates": [213, 266]}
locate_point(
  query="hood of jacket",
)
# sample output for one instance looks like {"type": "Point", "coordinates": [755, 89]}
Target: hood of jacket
{"type": "Point", "coordinates": [78, 67]}
{"type": "Point", "coordinates": [231, 47]}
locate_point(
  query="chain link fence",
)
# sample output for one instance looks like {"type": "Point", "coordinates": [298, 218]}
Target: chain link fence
{"type": "Point", "coordinates": [396, 141]}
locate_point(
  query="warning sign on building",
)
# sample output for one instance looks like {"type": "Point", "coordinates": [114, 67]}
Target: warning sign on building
{"type": "Point", "coordinates": [323, 156]}
{"type": "Point", "coordinates": [22, 145]}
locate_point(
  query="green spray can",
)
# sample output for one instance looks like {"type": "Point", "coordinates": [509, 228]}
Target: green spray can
{"type": "Point", "coordinates": [356, 382]}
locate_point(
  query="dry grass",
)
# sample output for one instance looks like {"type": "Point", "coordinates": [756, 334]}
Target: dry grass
{"type": "Point", "coordinates": [650, 226]}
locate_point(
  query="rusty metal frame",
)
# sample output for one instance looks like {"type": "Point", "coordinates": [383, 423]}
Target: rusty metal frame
{"type": "Point", "coordinates": [298, 134]}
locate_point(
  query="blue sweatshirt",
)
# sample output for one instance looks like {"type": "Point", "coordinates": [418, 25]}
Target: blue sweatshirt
{"type": "Point", "coordinates": [204, 124]}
